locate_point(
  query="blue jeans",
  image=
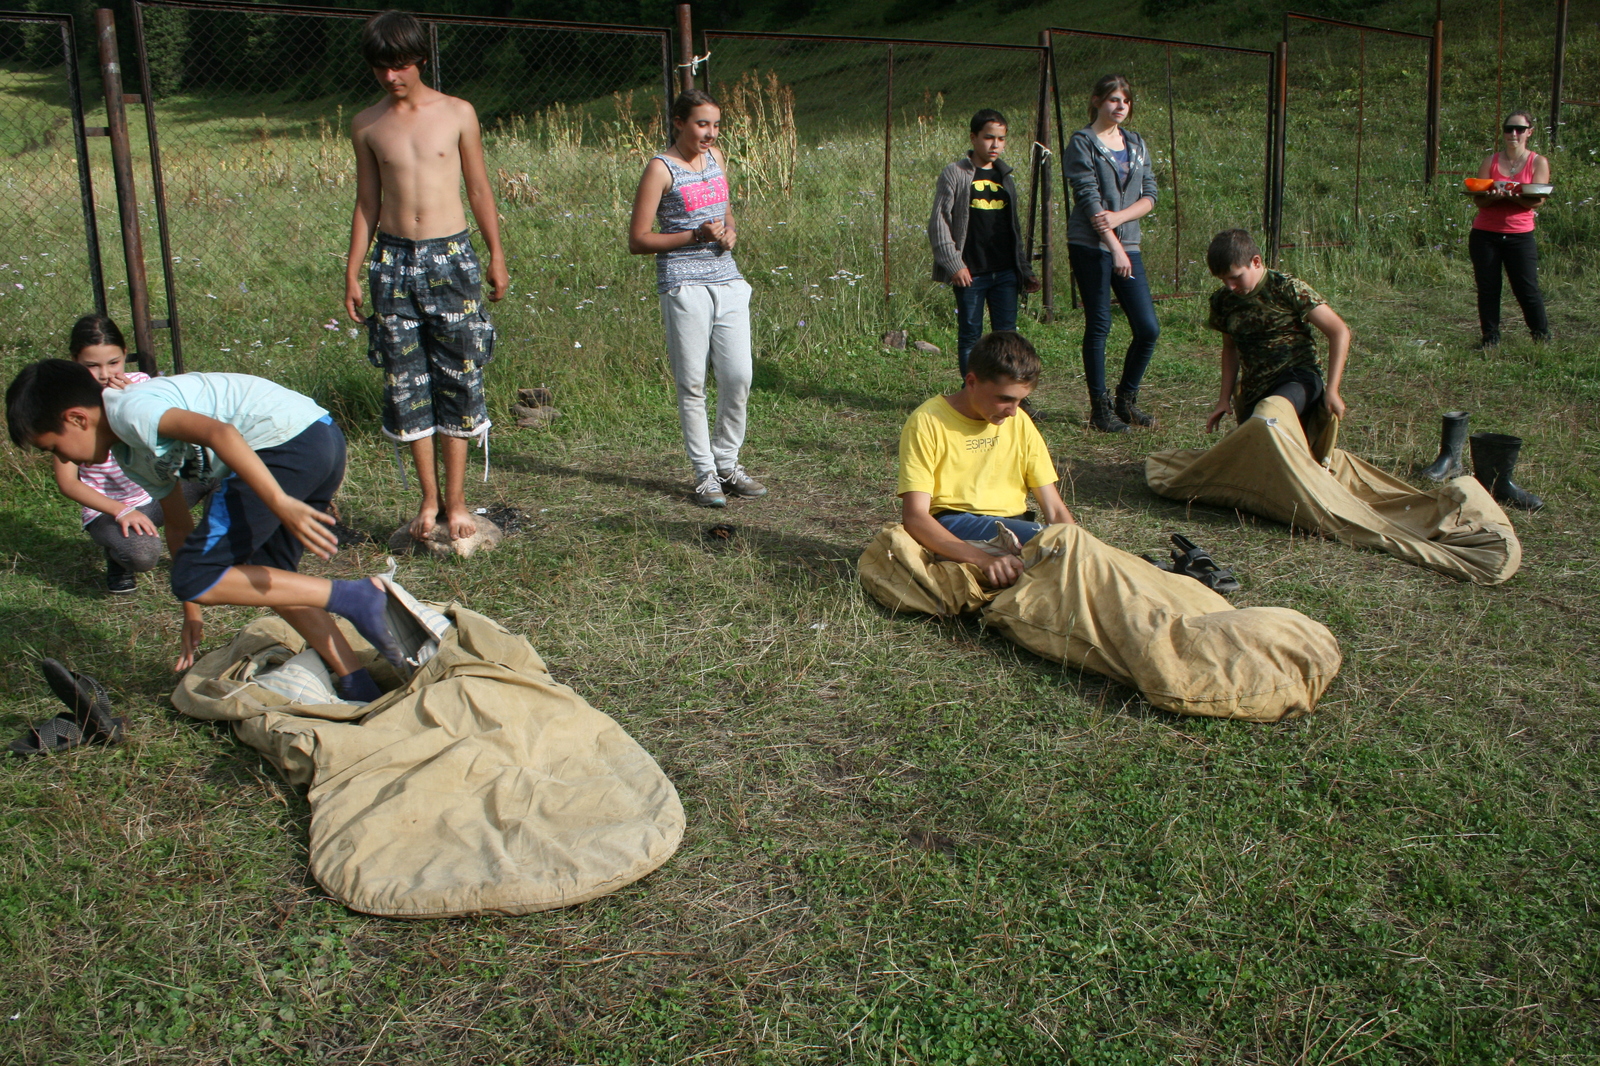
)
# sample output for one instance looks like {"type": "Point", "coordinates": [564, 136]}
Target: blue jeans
{"type": "Point", "coordinates": [999, 290]}
{"type": "Point", "coordinates": [1096, 282]}
{"type": "Point", "coordinates": [981, 526]}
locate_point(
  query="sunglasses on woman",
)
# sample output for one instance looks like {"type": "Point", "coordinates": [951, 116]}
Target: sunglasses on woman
{"type": "Point", "coordinates": [1516, 129]}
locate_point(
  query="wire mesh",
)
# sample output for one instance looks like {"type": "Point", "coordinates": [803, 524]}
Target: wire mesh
{"type": "Point", "coordinates": [1355, 128]}
{"type": "Point", "coordinates": [836, 144]}
{"type": "Point", "coordinates": [47, 273]}
{"type": "Point", "coordinates": [1203, 113]}
{"type": "Point", "coordinates": [253, 108]}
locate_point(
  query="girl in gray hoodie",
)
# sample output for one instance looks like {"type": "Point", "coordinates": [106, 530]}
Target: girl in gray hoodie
{"type": "Point", "coordinates": [1113, 186]}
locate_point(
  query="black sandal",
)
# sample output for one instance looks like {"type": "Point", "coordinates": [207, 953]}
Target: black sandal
{"type": "Point", "coordinates": [88, 720]}
{"type": "Point", "coordinates": [1159, 564]}
{"type": "Point", "coordinates": [1194, 561]}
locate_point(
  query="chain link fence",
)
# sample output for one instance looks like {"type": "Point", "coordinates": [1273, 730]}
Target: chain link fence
{"type": "Point", "coordinates": [250, 109]}
{"type": "Point", "coordinates": [1204, 113]}
{"type": "Point", "coordinates": [836, 144]}
{"type": "Point", "coordinates": [49, 258]}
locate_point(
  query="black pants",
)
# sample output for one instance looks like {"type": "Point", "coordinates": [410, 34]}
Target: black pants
{"type": "Point", "coordinates": [1518, 253]}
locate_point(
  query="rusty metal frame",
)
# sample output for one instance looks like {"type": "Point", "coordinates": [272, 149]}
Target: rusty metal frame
{"type": "Point", "coordinates": [81, 133]}
{"type": "Point", "coordinates": [889, 44]}
{"type": "Point", "coordinates": [1273, 122]}
{"type": "Point", "coordinates": [172, 322]}
{"type": "Point", "coordinates": [1431, 121]}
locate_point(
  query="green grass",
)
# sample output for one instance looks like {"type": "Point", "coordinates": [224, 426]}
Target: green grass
{"type": "Point", "coordinates": [908, 841]}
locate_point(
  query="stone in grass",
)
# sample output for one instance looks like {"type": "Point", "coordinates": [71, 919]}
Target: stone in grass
{"type": "Point", "coordinates": [438, 543]}
{"type": "Point", "coordinates": [895, 339]}
{"type": "Point", "coordinates": [925, 348]}
{"type": "Point", "coordinates": [534, 417]}
{"type": "Point", "coordinates": [538, 396]}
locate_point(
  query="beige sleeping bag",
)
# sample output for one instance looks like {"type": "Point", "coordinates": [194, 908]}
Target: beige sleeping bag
{"type": "Point", "coordinates": [1087, 604]}
{"type": "Point", "coordinates": [1264, 467]}
{"type": "Point", "coordinates": [481, 786]}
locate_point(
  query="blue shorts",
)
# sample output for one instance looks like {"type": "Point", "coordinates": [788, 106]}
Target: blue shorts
{"type": "Point", "coordinates": [238, 527]}
{"type": "Point", "coordinates": [981, 526]}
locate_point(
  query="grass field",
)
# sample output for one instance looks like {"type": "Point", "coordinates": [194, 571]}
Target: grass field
{"type": "Point", "coordinates": [908, 841]}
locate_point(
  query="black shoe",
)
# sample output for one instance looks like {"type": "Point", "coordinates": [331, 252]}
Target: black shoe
{"type": "Point", "coordinates": [1451, 439]}
{"type": "Point", "coordinates": [1494, 460]}
{"type": "Point", "coordinates": [1127, 408]}
{"type": "Point", "coordinates": [1486, 343]}
{"type": "Point", "coordinates": [1102, 417]}
{"type": "Point", "coordinates": [119, 582]}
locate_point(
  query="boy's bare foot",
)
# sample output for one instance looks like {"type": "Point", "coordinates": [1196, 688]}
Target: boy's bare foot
{"type": "Point", "coordinates": [463, 523]}
{"type": "Point", "coordinates": [423, 524]}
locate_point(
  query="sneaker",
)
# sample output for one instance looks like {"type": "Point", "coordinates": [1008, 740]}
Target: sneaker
{"type": "Point", "coordinates": [119, 582]}
{"type": "Point", "coordinates": [741, 484]}
{"type": "Point", "coordinates": [708, 492]}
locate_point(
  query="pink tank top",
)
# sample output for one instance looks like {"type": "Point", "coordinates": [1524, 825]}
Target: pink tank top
{"type": "Point", "coordinates": [1507, 216]}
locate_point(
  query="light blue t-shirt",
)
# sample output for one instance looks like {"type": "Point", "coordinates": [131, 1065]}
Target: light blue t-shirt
{"type": "Point", "coordinates": [265, 414]}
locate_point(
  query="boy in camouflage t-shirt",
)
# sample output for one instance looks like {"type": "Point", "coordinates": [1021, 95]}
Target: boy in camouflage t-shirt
{"type": "Point", "coordinates": [1265, 317]}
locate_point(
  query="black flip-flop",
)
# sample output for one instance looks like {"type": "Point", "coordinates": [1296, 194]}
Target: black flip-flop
{"type": "Point", "coordinates": [1159, 564]}
{"type": "Point", "coordinates": [88, 720]}
{"type": "Point", "coordinates": [61, 733]}
{"type": "Point", "coordinates": [85, 697]}
{"type": "Point", "coordinates": [1194, 561]}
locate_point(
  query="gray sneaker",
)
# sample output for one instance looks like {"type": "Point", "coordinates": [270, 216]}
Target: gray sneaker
{"type": "Point", "coordinates": [742, 484]}
{"type": "Point", "coordinates": [708, 492]}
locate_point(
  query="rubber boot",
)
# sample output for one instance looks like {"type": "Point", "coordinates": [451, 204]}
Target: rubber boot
{"type": "Point", "coordinates": [1127, 409]}
{"type": "Point", "coordinates": [1102, 417]}
{"type": "Point", "coordinates": [1451, 439]}
{"type": "Point", "coordinates": [1494, 460]}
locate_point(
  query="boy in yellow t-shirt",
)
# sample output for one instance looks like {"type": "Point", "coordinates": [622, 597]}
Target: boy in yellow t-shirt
{"type": "Point", "coordinates": [970, 459]}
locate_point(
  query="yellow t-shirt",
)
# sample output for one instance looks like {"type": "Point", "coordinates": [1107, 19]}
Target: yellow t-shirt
{"type": "Point", "coordinates": [972, 466]}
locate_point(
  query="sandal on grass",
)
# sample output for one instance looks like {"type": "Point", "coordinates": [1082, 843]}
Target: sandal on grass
{"type": "Point", "coordinates": [1159, 564]}
{"type": "Point", "coordinates": [1194, 561]}
{"type": "Point", "coordinates": [88, 719]}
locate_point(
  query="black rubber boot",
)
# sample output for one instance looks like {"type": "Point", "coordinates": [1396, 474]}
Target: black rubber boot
{"type": "Point", "coordinates": [1127, 409]}
{"type": "Point", "coordinates": [1451, 440]}
{"type": "Point", "coordinates": [1494, 460]}
{"type": "Point", "coordinates": [1102, 417]}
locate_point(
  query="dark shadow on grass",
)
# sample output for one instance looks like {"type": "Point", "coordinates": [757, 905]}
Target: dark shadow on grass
{"type": "Point", "coordinates": [71, 563]}
{"type": "Point", "coordinates": [815, 559]}
{"type": "Point", "coordinates": [770, 378]}
{"type": "Point", "coordinates": [526, 465]}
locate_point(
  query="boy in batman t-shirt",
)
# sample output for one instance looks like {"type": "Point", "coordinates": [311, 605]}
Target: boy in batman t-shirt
{"type": "Point", "coordinates": [976, 238]}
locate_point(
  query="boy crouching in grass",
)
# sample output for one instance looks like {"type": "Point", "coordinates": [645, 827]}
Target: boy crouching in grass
{"type": "Point", "coordinates": [429, 330]}
{"type": "Point", "coordinates": [969, 460]}
{"type": "Point", "coordinates": [1265, 318]}
{"type": "Point", "coordinates": [280, 458]}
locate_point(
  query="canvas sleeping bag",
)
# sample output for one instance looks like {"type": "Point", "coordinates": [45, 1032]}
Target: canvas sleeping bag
{"type": "Point", "coordinates": [1264, 467]}
{"type": "Point", "coordinates": [1084, 603]}
{"type": "Point", "coordinates": [478, 786]}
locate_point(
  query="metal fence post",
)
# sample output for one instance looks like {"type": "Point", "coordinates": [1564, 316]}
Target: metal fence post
{"type": "Point", "coordinates": [888, 154]}
{"type": "Point", "coordinates": [127, 199]}
{"type": "Point", "coordinates": [1430, 165]}
{"type": "Point", "coordinates": [685, 48]}
{"type": "Point", "coordinates": [1040, 194]}
{"type": "Point", "coordinates": [433, 47]}
{"type": "Point", "coordinates": [1558, 74]}
{"type": "Point", "coordinates": [158, 187]}
{"type": "Point", "coordinates": [80, 142]}
{"type": "Point", "coordinates": [1279, 147]}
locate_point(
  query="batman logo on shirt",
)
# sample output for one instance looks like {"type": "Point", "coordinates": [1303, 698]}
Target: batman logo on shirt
{"type": "Point", "coordinates": [985, 185]}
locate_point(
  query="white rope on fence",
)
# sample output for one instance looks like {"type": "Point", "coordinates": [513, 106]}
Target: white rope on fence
{"type": "Point", "coordinates": [694, 63]}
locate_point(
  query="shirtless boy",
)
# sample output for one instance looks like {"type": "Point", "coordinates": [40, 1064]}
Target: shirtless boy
{"type": "Point", "coordinates": [429, 330]}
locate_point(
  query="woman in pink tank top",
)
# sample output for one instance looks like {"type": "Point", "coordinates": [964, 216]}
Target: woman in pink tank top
{"type": "Point", "coordinates": [1502, 234]}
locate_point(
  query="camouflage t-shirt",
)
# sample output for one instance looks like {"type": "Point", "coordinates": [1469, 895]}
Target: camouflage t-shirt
{"type": "Point", "coordinates": [1269, 331]}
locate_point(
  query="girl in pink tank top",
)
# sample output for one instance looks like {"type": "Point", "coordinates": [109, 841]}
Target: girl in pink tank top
{"type": "Point", "coordinates": [1502, 239]}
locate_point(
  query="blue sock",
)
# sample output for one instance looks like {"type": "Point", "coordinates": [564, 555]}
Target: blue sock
{"type": "Point", "coordinates": [358, 685]}
{"type": "Point", "coordinates": [362, 603]}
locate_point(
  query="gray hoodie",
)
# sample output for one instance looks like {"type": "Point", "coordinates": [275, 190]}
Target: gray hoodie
{"type": "Point", "coordinates": [1096, 187]}
{"type": "Point", "coordinates": [947, 227]}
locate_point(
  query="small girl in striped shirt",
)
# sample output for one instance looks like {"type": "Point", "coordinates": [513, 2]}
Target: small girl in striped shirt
{"type": "Point", "coordinates": [117, 514]}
